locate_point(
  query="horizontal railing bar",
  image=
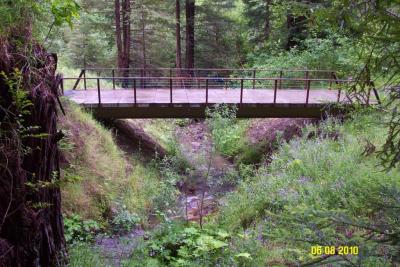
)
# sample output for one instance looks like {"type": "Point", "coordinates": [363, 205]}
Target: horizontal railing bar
{"type": "Point", "coordinates": [212, 69]}
{"type": "Point", "coordinates": [208, 78]}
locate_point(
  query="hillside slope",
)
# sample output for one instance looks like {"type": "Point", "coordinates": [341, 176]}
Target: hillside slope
{"type": "Point", "coordinates": [101, 180]}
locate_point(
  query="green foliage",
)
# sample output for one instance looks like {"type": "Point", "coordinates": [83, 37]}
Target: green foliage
{"type": "Point", "coordinates": [124, 221]}
{"type": "Point", "coordinates": [390, 152]}
{"type": "Point", "coordinates": [79, 230]}
{"type": "Point", "coordinates": [18, 93]}
{"type": "Point", "coordinates": [94, 185]}
{"type": "Point", "coordinates": [321, 191]}
{"type": "Point", "coordinates": [226, 131]}
{"type": "Point", "coordinates": [14, 126]}
{"type": "Point", "coordinates": [169, 168]}
{"type": "Point", "coordinates": [335, 52]}
{"type": "Point", "coordinates": [13, 14]}
{"type": "Point", "coordinates": [177, 245]}
{"type": "Point", "coordinates": [82, 254]}
{"type": "Point", "coordinates": [64, 11]}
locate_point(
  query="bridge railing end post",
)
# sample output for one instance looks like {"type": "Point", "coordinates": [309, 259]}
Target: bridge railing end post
{"type": "Point", "coordinates": [170, 90]}
{"type": "Point", "coordinates": [62, 85]}
{"type": "Point", "coordinates": [84, 79]}
{"type": "Point", "coordinates": [254, 78]}
{"type": "Point", "coordinates": [339, 92]}
{"type": "Point", "coordinates": [306, 75]}
{"type": "Point", "coordinates": [308, 86]}
{"type": "Point", "coordinates": [134, 91]}
{"type": "Point", "coordinates": [98, 90]}
{"type": "Point", "coordinates": [113, 78]}
{"type": "Point", "coordinates": [206, 91]}
{"type": "Point", "coordinates": [241, 91]}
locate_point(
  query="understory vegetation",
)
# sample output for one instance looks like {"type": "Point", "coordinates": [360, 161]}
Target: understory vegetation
{"type": "Point", "coordinates": [327, 193]}
{"type": "Point", "coordinates": [105, 190]}
{"type": "Point", "coordinates": [323, 189]}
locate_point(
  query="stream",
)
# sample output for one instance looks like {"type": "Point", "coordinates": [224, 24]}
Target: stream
{"type": "Point", "coordinates": [200, 190]}
{"type": "Point", "coordinates": [207, 179]}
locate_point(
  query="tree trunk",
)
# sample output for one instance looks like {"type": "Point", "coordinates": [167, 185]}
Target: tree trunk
{"type": "Point", "coordinates": [190, 42]}
{"type": "Point", "coordinates": [296, 26]}
{"type": "Point", "coordinates": [31, 224]}
{"type": "Point", "coordinates": [123, 37]}
{"type": "Point", "coordinates": [178, 58]}
{"type": "Point", "coordinates": [144, 63]}
{"type": "Point", "coordinates": [118, 32]}
{"type": "Point", "coordinates": [267, 23]}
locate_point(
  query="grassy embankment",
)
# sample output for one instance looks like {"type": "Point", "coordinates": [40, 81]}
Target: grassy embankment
{"type": "Point", "coordinates": [325, 188]}
{"type": "Point", "coordinates": [101, 179]}
{"type": "Point", "coordinates": [314, 192]}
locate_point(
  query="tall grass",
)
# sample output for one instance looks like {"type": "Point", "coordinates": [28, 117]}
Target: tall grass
{"type": "Point", "coordinates": [325, 172]}
{"type": "Point", "coordinates": [100, 177]}
{"type": "Point", "coordinates": [94, 165]}
{"type": "Point", "coordinates": [83, 255]}
{"type": "Point", "coordinates": [227, 132]}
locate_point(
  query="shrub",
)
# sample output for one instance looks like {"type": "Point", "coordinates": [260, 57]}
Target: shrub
{"type": "Point", "coordinates": [227, 132]}
{"type": "Point", "coordinates": [179, 245]}
{"type": "Point", "coordinates": [78, 230]}
{"type": "Point", "coordinates": [124, 221]}
{"type": "Point", "coordinates": [321, 189]}
{"type": "Point", "coordinates": [333, 53]}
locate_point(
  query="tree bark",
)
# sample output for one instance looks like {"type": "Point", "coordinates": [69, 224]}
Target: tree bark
{"type": "Point", "coordinates": [123, 36]}
{"type": "Point", "coordinates": [190, 41]}
{"type": "Point", "coordinates": [31, 224]}
{"type": "Point", "coordinates": [144, 63]}
{"type": "Point", "coordinates": [126, 28]}
{"type": "Point", "coordinates": [118, 32]}
{"type": "Point", "coordinates": [178, 58]}
{"type": "Point", "coordinates": [267, 23]}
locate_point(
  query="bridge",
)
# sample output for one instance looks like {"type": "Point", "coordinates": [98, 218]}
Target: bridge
{"type": "Point", "coordinates": [186, 93]}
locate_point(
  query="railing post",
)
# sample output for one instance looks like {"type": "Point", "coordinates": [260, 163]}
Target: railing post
{"type": "Point", "coordinates": [134, 90]}
{"type": "Point", "coordinates": [98, 91]}
{"type": "Point", "coordinates": [241, 91]}
{"type": "Point", "coordinates": [170, 90]}
{"type": "Point", "coordinates": [142, 80]}
{"type": "Point", "coordinates": [206, 91]}
{"type": "Point", "coordinates": [113, 76]}
{"type": "Point", "coordinates": [62, 85]}
{"type": "Point", "coordinates": [145, 75]}
{"type": "Point", "coordinates": [84, 79]}
{"type": "Point", "coordinates": [369, 95]}
{"type": "Point", "coordinates": [280, 79]}
{"type": "Point", "coordinates": [308, 85]}
{"type": "Point", "coordinates": [275, 90]}
{"type": "Point", "coordinates": [331, 81]}
{"type": "Point", "coordinates": [306, 79]}
{"type": "Point", "coordinates": [254, 78]}
{"type": "Point", "coordinates": [79, 79]}
{"type": "Point", "coordinates": [375, 93]}
{"type": "Point", "coordinates": [339, 93]}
